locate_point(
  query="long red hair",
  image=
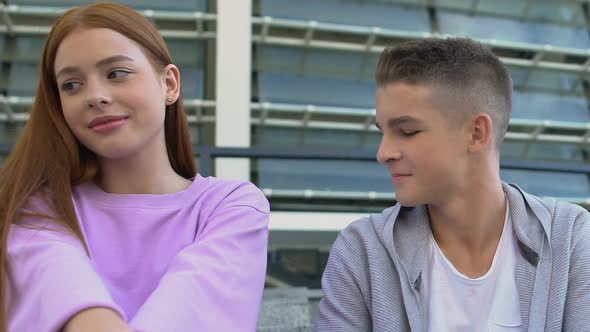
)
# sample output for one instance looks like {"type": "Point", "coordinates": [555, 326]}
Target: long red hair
{"type": "Point", "coordinates": [48, 158]}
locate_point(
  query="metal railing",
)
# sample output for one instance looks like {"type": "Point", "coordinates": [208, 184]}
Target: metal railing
{"type": "Point", "coordinates": [339, 118]}
{"type": "Point", "coordinates": [320, 35]}
{"type": "Point", "coordinates": [474, 7]}
{"type": "Point", "coordinates": [207, 155]}
{"type": "Point", "coordinates": [11, 15]}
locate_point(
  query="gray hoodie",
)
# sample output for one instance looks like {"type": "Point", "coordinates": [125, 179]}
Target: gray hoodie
{"type": "Point", "coordinates": [373, 277]}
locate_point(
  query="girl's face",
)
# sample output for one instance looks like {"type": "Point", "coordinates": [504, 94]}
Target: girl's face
{"type": "Point", "coordinates": [111, 96]}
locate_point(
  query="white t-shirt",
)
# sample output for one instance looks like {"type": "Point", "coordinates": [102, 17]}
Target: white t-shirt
{"type": "Point", "coordinates": [458, 303]}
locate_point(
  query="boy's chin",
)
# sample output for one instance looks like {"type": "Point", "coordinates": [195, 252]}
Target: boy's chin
{"type": "Point", "coordinates": [408, 200]}
{"type": "Point", "coordinates": [411, 204]}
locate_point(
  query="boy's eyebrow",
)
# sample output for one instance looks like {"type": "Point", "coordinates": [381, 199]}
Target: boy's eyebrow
{"type": "Point", "coordinates": [101, 63]}
{"type": "Point", "coordinates": [402, 120]}
{"type": "Point", "coordinates": [395, 122]}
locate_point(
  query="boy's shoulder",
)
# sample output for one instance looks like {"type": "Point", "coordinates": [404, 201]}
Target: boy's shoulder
{"type": "Point", "coordinates": [569, 218]}
{"type": "Point", "coordinates": [566, 221]}
{"type": "Point", "coordinates": [558, 210]}
{"type": "Point", "coordinates": [369, 228]}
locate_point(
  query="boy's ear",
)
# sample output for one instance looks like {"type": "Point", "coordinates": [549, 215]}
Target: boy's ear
{"type": "Point", "coordinates": [482, 132]}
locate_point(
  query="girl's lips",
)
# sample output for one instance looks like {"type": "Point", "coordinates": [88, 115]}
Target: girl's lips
{"type": "Point", "coordinates": [105, 118]}
{"type": "Point", "coordinates": [109, 125]}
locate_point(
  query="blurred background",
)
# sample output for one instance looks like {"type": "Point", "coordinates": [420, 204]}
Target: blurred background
{"type": "Point", "coordinates": [281, 93]}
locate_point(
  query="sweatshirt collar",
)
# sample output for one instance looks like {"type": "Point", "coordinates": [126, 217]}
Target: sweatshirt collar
{"type": "Point", "coordinates": [407, 230]}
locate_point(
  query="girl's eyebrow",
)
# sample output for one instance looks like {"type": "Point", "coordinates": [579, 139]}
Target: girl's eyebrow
{"type": "Point", "coordinates": [100, 63]}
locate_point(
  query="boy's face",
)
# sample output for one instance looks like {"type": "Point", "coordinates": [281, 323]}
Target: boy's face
{"type": "Point", "coordinates": [424, 152]}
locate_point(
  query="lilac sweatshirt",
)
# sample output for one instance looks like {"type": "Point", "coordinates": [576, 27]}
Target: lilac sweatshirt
{"type": "Point", "coordinates": [189, 261]}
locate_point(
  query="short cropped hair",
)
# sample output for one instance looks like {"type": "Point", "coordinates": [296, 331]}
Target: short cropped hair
{"type": "Point", "coordinates": [468, 71]}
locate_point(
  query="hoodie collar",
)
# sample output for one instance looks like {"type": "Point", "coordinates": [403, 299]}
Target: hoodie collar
{"type": "Point", "coordinates": [407, 230]}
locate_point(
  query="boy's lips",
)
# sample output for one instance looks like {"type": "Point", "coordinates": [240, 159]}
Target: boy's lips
{"type": "Point", "coordinates": [399, 177]}
{"type": "Point", "coordinates": [400, 174]}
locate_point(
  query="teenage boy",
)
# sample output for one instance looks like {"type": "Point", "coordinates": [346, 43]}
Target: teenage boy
{"type": "Point", "coordinates": [461, 250]}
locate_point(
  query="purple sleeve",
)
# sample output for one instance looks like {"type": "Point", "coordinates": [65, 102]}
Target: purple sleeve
{"type": "Point", "coordinates": [216, 283]}
{"type": "Point", "coordinates": [50, 279]}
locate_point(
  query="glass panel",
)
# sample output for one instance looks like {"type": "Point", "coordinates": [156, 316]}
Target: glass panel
{"type": "Point", "coordinates": [192, 79]}
{"type": "Point", "coordinates": [539, 10]}
{"type": "Point", "coordinates": [518, 75]}
{"type": "Point", "coordinates": [3, 50]}
{"type": "Point", "coordinates": [10, 132]}
{"type": "Point", "coordinates": [550, 107]}
{"type": "Point", "coordinates": [24, 71]}
{"type": "Point", "coordinates": [3, 134]}
{"type": "Point", "coordinates": [507, 7]}
{"type": "Point", "coordinates": [186, 52]}
{"type": "Point", "coordinates": [277, 137]}
{"type": "Point", "coordinates": [313, 90]}
{"type": "Point", "coordinates": [544, 151]}
{"type": "Point", "coordinates": [202, 134]}
{"type": "Point", "coordinates": [23, 79]}
{"type": "Point", "coordinates": [315, 138]}
{"type": "Point", "coordinates": [278, 59]}
{"type": "Point", "coordinates": [324, 63]}
{"type": "Point", "coordinates": [527, 79]}
{"type": "Point", "coordinates": [553, 80]}
{"type": "Point", "coordinates": [512, 30]}
{"type": "Point", "coordinates": [512, 150]}
{"type": "Point", "coordinates": [557, 11]}
{"type": "Point", "coordinates": [370, 176]}
{"type": "Point", "coordinates": [29, 48]}
{"type": "Point", "coordinates": [177, 5]}
{"type": "Point", "coordinates": [548, 183]}
{"type": "Point", "coordinates": [188, 56]}
{"type": "Point", "coordinates": [555, 151]}
{"type": "Point", "coordinates": [323, 175]}
{"type": "Point", "coordinates": [335, 175]}
{"type": "Point", "coordinates": [350, 12]}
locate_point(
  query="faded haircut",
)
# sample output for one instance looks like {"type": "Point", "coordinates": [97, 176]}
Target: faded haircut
{"type": "Point", "coordinates": [467, 71]}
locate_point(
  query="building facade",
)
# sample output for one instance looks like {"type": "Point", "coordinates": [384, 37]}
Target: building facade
{"type": "Point", "coordinates": [290, 85]}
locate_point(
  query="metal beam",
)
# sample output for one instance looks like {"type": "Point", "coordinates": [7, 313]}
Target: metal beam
{"type": "Point", "coordinates": [339, 44]}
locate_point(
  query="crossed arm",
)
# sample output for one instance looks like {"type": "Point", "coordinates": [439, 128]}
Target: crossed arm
{"type": "Point", "coordinates": [53, 286]}
{"type": "Point", "coordinates": [96, 319]}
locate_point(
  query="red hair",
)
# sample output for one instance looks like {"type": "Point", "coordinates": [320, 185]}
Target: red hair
{"type": "Point", "coordinates": [48, 158]}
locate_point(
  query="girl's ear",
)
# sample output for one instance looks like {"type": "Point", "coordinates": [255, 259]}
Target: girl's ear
{"type": "Point", "coordinates": [172, 83]}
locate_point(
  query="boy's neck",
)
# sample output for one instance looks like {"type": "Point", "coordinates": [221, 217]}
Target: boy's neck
{"type": "Point", "coordinates": [468, 226]}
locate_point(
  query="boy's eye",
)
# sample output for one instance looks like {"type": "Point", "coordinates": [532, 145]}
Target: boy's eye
{"type": "Point", "coordinates": [410, 133]}
{"type": "Point", "coordinates": [118, 74]}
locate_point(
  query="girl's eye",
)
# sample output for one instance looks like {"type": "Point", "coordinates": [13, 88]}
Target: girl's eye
{"type": "Point", "coordinates": [118, 74]}
{"type": "Point", "coordinates": [69, 86]}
